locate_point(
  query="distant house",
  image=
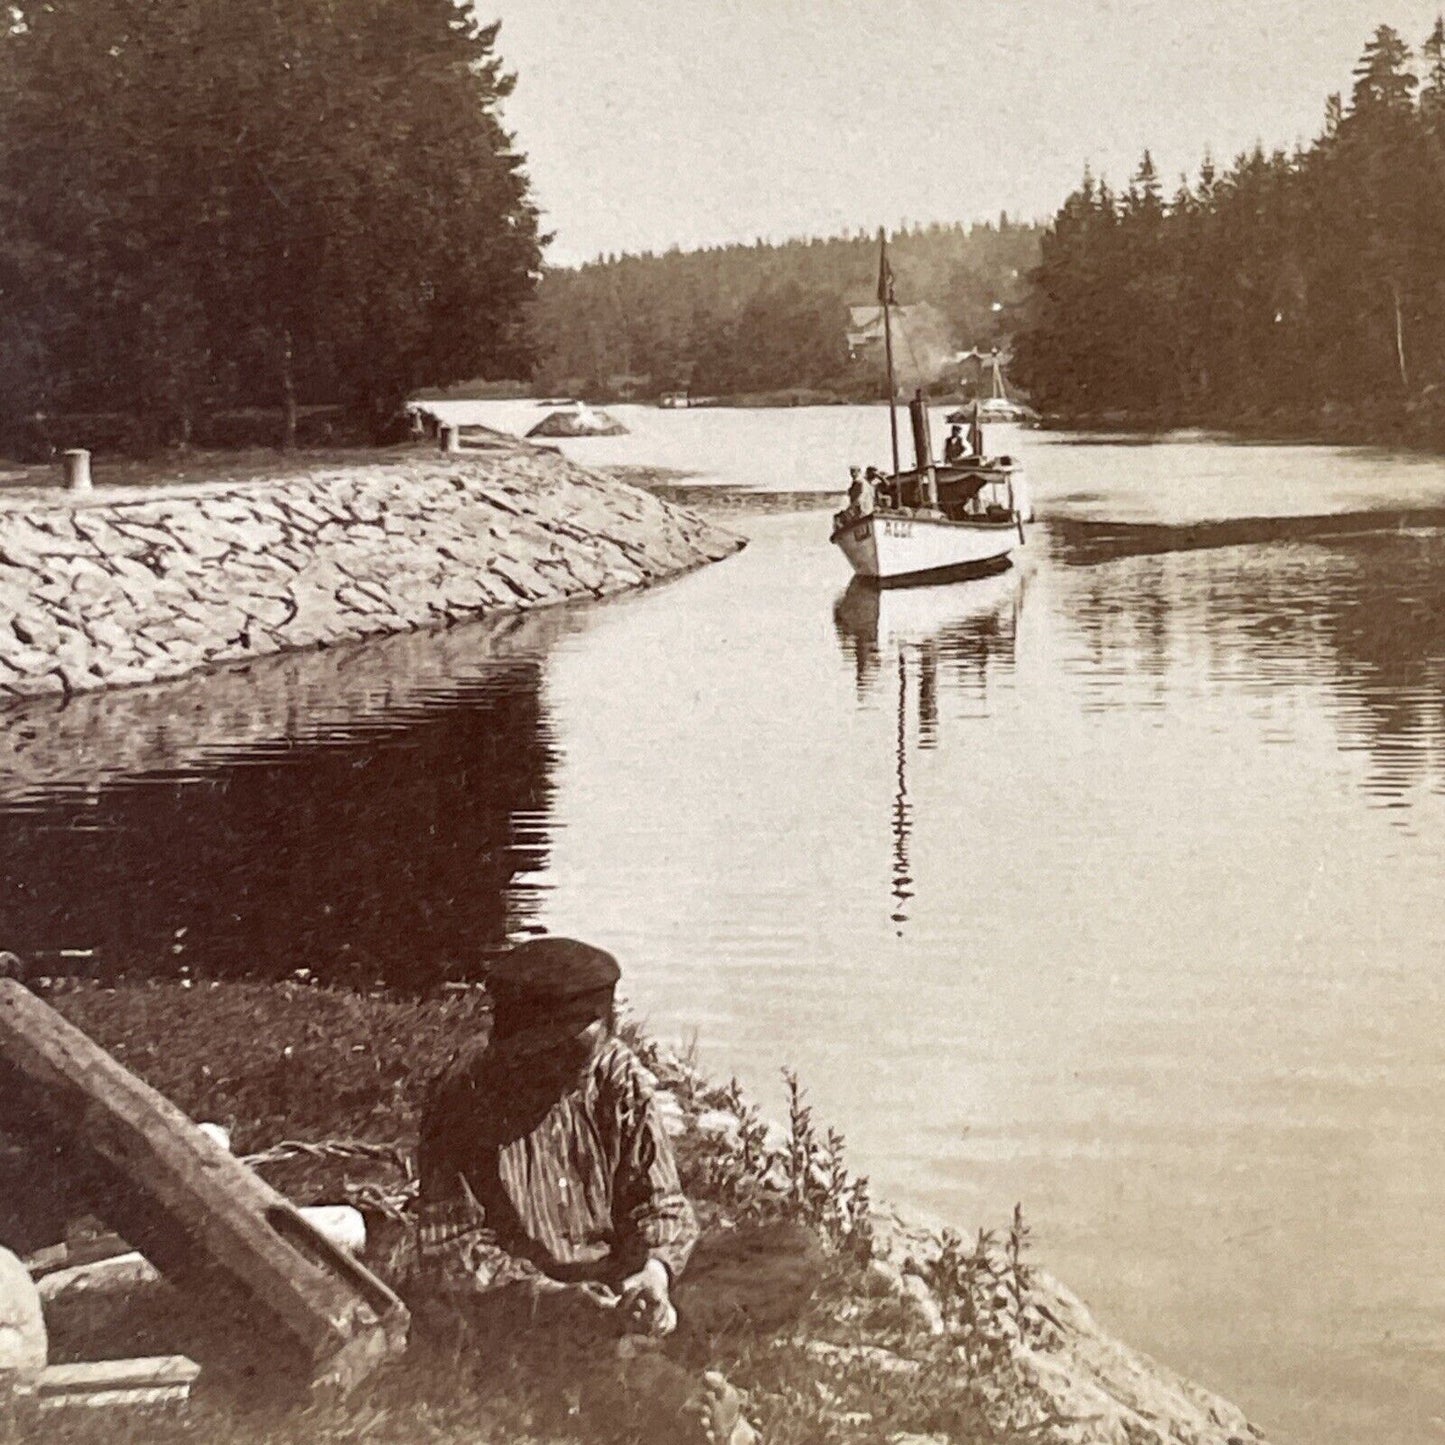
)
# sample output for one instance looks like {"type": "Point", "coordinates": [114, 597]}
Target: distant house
{"type": "Point", "coordinates": [923, 346]}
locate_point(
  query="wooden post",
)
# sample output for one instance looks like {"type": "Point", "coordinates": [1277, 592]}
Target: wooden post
{"type": "Point", "coordinates": [451, 435]}
{"type": "Point", "coordinates": [77, 469]}
{"type": "Point", "coordinates": [273, 1288]}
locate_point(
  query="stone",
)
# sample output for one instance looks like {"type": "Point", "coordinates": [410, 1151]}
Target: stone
{"type": "Point", "coordinates": [165, 579]}
{"type": "Point", "coordinates": [884, 1361]}
{"type": "Point", "coordinates": [267, 611]}
{"type": "Point", "coordinates": [722, 1125]}
{"type": "Point", "coordinates": [36, 628]}
{"type": "Point", "coordinates": [24, 1347]}
{"type": "Point", "coordinates": [925, 1306]}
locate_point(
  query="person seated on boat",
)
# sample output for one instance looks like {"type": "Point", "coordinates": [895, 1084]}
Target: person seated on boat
{"type": "Point", "coordinates": [955, 448]}
{"type": "Point", "coordinates": [881, 491]}
{"type": "Point", "coordinates": [552, 1218]}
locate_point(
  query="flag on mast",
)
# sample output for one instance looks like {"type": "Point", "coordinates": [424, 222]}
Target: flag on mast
{"type": "Point", "coordinates": [885, 276]}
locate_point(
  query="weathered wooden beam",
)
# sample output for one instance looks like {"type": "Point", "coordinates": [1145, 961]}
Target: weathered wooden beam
{"type": "Point", "coordinates": [149, 1380]}
{"type": "Point", "coordinates": [293, 1302]}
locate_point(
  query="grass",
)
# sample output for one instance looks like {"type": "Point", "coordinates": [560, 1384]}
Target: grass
{"type": "Point", "coordinates": [298, 1062]}
{"type": "Point", "coordinates": [197, 466]}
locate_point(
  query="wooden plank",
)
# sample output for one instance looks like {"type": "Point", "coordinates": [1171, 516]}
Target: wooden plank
{"type": "Point", "coordinates": [144, 1372]}
{"type": "Point", "coordinates": [292, 1301]}
{"type": "Point", "coordinates": [149, 1380]}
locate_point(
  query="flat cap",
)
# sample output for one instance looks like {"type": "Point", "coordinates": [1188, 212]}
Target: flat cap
{"type": "Point", "coordinates": [552, 970]}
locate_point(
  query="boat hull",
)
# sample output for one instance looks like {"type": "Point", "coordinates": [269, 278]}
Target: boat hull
{"type": "Point", "coordinates": [892, 549]}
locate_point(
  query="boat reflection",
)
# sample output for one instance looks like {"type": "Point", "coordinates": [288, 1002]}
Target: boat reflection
{"type": "Point", "coordinates": [966, 628]}
{"type": "Point", "coordinates": [949, 642]}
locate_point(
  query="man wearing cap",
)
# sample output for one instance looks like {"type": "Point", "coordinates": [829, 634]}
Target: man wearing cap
{"type": "Point", "coordinates": [550, 1140]}
{"type": "Point", "coordinates": [545, 1170]}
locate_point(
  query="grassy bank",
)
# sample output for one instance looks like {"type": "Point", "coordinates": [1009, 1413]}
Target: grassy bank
{"type": "Point", "coordinates": [299, 1063]}
{"type": "Point", "coordinates": [895, 1334]}
{"type": "Point", "coordinates": [197, 465]}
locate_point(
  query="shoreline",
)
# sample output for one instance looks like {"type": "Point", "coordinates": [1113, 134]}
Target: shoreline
{"type": "Point", "coordinates": [1417, 427]}
{"type": "Point", "coordinates": [135, 584]}
{"type": "Point", "coordinates": [912, 1336]}
{"type": "Point", "coordinates": [1046, 1358]}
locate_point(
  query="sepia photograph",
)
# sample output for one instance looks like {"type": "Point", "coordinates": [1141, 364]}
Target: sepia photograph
{"type": "Point", "coordinates": [722, 722]}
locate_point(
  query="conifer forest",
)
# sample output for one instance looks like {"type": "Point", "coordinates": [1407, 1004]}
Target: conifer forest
{"type": "Point", "coordinates": [1287, 285]}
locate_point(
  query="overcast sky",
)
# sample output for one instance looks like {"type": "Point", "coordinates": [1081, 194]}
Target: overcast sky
{"type": "Point", "coordinates": [649, 123]}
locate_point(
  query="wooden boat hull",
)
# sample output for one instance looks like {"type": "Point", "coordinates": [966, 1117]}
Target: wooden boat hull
{"type": "Point", "coordinates": [892, 548]}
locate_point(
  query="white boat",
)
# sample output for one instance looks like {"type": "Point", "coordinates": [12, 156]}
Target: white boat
{"type": "Point", "coordinates": [960, 517]}
{"type": "Point", "coordinates": [893, 545]}
{"type": "Point", "coordinates": [998, 405]}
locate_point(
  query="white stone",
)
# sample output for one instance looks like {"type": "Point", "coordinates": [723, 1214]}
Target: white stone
{"type": "Point", "coordinates": [342, 1224]}
{"type": "Point", "coordinates": [722, 1125]}
{"type": "Point", "coordinates": [217, 1134]}
{"type": "Point", "coordinates": [915, 1287]}
{"type": "Point", "coordinates": [24, 1346]}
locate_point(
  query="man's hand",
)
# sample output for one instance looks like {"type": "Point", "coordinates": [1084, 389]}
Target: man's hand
{"type": "Point", "coordinates": [646, 1302]}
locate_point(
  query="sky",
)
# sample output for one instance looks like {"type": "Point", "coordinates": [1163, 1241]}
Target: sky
{"type": "Point", "coordinates": [654, 123]}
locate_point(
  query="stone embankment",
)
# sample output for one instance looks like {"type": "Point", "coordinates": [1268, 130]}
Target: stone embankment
{"type": "Point", "coordinates": [125, 586]}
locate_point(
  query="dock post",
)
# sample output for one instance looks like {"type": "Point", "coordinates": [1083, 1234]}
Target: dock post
{"type": "Point", "coordinates": [451, 438]}
{"type": "Point", "coordinates": [77, 469]}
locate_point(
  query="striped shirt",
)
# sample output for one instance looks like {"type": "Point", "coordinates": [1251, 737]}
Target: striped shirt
{"type": "Point", "coordinates": [581, 1182]}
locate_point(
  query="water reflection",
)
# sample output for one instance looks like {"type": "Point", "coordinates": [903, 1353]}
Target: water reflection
{"type": "Point", "coordinates": [1356, 606]}
{"type": "Point", "coordinates": [959, 637]}
{"type": "Point", "coordinates": [970, 628]}
{"type": "Point", "coordinates": [366, 813]}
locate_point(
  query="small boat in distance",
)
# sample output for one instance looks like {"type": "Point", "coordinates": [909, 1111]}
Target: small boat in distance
{"type": "Point", "coordinates": [959, 517]}
{"type": "Point", "coordinates": [998, 405]}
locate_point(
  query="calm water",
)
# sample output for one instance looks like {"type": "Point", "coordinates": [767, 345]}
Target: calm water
{"type": "Point", "coordinates": [1112, 884]}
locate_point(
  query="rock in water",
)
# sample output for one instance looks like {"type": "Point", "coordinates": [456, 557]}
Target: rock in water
{"type": "Point", "coordinates": [23, 1344]}
{"type": "Point", "coordinates": [581, 421]}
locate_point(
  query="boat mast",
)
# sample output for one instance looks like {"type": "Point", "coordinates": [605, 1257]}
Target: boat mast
{"type": "Point", "coordinates": [885, 300]}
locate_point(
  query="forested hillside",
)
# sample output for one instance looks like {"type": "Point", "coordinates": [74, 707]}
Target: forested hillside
{"type": "Point", "coordinates": [1298, 287]}
{"type": "Point", "coordinates": [206, 205]}
{"type": "Point", "coordinates": [737, 319]}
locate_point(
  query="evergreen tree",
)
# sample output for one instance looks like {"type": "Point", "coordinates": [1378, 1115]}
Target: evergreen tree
{"type": "Point", "coordinates": [1289, 281]}
{"type": "Point", "coordinates": [764, 317]}
{"type": "Point", "coordinates": [1432, 92]}
{"type": "Point", "coordinates": [1383, 79]}
{"type": "Point", "coordinates": [213, 206]}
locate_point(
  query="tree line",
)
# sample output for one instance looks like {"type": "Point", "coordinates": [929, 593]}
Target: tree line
{"type": "Point", "coordinates": [1294, 284]}
{"type": "Point", "coordinates": [206, 205]}
{"type": "Point", "coordinates": [767, 316]}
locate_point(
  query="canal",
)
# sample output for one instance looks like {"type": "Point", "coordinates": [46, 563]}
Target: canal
{"type": "Point", "coordinates": [1111, 885]}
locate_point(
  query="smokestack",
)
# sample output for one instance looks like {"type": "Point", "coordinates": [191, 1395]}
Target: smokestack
{"type": "Point", "coordinates": [922, 442]}
{"type": "Point", "coordinates": [923, 447]}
